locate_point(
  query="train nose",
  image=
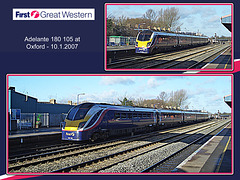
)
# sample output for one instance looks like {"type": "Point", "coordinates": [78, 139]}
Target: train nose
{"type": "Point", "coordinates": [69, 135]}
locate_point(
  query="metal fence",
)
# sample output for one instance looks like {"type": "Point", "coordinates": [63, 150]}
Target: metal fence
{"type": "Point", "coordinates": [120, 41]}
{"type": "Point", "coordinates": [31, 120]}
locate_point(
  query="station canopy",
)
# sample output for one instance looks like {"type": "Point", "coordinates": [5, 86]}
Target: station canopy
{"type": "Point", "coordinates": [228, 100]}
{"type": "Point", "coordinates": [227, 21]}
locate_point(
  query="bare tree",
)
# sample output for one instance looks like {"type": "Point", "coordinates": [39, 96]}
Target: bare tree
{"type": "Point", "coordinates": [178, 98]}
{"type": "Point", "coordinates": [163, 98]}
{"type": "Point", "coordinates": [181, 97]}
{"type": "Point", "coordinates": [151, 15]}
{"type": "Point", "coordinates": [171, 17]}
{"type": "Point", "coordinates": [163, 18]}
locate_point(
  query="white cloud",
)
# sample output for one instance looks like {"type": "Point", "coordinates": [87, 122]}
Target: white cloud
{"type": "Point", "coordinates": [112, 80]}
{"type": "Point", "coordinates": [217, 98]}
{"type": "Point", "coordinates": [210, 80]}
{"type": "Point", "coordinates": [154, 82]}
{"type": "Point", "coordinates": [207, 92]}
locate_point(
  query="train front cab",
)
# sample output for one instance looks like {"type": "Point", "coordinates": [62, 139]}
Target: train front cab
{"type": "Point", "coordinates": [143, 42]}
{"type": "Point", "coordinates": [75, 121]}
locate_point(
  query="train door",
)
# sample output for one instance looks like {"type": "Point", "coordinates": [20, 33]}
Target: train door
{"type": "Point", "coordinates": [157, 118]}
{"type": "Point", "coordinates": [178, 40]}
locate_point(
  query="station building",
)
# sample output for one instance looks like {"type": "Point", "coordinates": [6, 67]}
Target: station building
{"type": "Point", "coordinates": [25, 111]}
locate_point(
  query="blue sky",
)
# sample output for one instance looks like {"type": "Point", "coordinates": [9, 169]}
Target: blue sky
{"type": "Point", "coordinates": [204, 91]}
{"type": "Point", "coordinates": [194, 18]}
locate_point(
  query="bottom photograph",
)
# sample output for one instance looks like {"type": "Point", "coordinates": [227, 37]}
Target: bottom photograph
{"type": "Point", "coordinates": [119, 124]}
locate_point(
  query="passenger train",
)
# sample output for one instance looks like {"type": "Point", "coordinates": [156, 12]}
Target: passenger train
{"type": "Point", "coordinates": [149, 41]}
{"type": "Point", "coordinates": [92, 121]}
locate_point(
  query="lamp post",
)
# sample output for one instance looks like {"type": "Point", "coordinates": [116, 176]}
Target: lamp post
{"type": "Point", "coordinates": [78, 97]}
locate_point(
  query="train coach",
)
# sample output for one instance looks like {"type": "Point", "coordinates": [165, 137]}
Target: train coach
{"type": "Point", "coordinates": [91, 121]}
{"type": "Point", "coordinates": [149, 41]}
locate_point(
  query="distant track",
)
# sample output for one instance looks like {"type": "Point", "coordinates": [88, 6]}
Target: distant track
{"type": "Point", "coordinates": [194, 58]}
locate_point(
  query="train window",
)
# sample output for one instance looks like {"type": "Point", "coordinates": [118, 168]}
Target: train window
{"type": "Point", "coordinates": [95, 117]}
{"type": "Point", "coordinates": [123, 116]}
{"type": "Point", "coordinates": [81, 113]}
{"type": "Point", "coordinates": [144, 36]}
{"type": "Point", "coordinates": [149, 115]}
{"type": "Point", "coordinates": [134, 115]}
{"type": "Point", "coordinates": [129, 115]}
{"type": "Point", "coordinates": [116, 116]}
{"type": "Point", "coordinates": [159, 39]}
{"type": "Point", "coordinates": [72, 113]}
{"type": "Point", "coordinates": [144, 115]}
{"type": "Point", "coordinates": [139, 115]}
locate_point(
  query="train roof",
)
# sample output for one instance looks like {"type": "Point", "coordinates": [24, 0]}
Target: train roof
{"type": "Point", "coordinates": [174, 34]}
{"type": "Point", "coordinates": [194, 112]}
{"type": "Point", "coordinates": [127, 108]}
{"type": "Point", "coordinates": [142, 109]}
{"type": "Point", "coordinates": [169, 111]}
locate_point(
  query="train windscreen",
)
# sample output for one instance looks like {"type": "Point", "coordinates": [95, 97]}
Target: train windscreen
{"type": "Point", "coordinates": [79, 112]}
{"type": "Point", "coordinates": [144, 36]}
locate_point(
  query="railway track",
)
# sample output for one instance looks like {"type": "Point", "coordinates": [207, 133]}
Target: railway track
{"type": "Point", "coordinates": [46, 150]}
{"type": "Point", "coordinates": [70, 161]}
{"type": "Point", "coordinates": [132, 61]}
{"type": "Point", "coordinates": [194, 58]}
{"type": "Point", "coordinates": [169, 163]}
{"type": "Point", "coordinates": [163, 150]}
{"type": "Point", "coordinates": [25, 152]}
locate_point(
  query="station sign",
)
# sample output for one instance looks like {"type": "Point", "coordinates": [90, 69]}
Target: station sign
{"type": "Point", "coordinates": [15, 114]}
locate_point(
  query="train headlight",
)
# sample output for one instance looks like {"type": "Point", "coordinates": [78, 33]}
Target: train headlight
{"type": "Point", "coordinates": [148, 44]}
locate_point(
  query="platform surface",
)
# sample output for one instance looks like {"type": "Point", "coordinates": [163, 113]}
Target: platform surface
{"type": "Point", "coordinates": [120, 48]}
{"type": "Point", "coordinates": [215, 156]}
{"type": "Point", "coordinates": [34, 132]}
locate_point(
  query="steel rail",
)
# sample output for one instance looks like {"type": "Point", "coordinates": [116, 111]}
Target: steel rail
{"type": "Point", "coordinates": [140, 59]}
{"type": "Point", "coordinates": [179, 151]}
{"type": "Point", "coordinates": [15, 167]}
{"type": "Point", "coordinates": [70, 168]}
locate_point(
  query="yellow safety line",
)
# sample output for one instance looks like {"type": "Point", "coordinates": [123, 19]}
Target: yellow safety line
{"type": "Point", "coordinates": [223, 154]}
{"type": "Point", "coordinates": [227, 63]}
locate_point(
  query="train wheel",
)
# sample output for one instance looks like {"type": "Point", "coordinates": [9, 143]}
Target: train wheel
{"type": "Point", "coordinates": [94, 137]}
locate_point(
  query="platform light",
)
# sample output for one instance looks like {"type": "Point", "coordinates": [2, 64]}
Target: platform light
{"type": "Point", "coordinates": [78, 97]}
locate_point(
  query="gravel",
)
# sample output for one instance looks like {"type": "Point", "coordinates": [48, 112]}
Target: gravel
{"type": "Point", "coordinates": [133, 165]}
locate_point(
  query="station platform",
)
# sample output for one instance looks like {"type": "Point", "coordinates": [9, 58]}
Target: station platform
{"type": "Point", "coordinates": [120, 48]}
{"type": "Point", "coordinates": [215, 156]}
{"type": "Point", "coordinates": [30, 136]}
{"type": "Point", "coordinates": [34, 132]}
{"type": "Point", "coordinates": [223, 61]}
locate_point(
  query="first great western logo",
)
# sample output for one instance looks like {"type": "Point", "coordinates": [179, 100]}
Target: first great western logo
{"type": "Point", "coordinates": [34, 14]}
{"type": "Point", "coordinates": [54, 14]}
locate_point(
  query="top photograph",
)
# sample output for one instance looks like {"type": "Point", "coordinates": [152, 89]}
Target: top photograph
{"type": "Point", "coordinates": [169, 37]}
